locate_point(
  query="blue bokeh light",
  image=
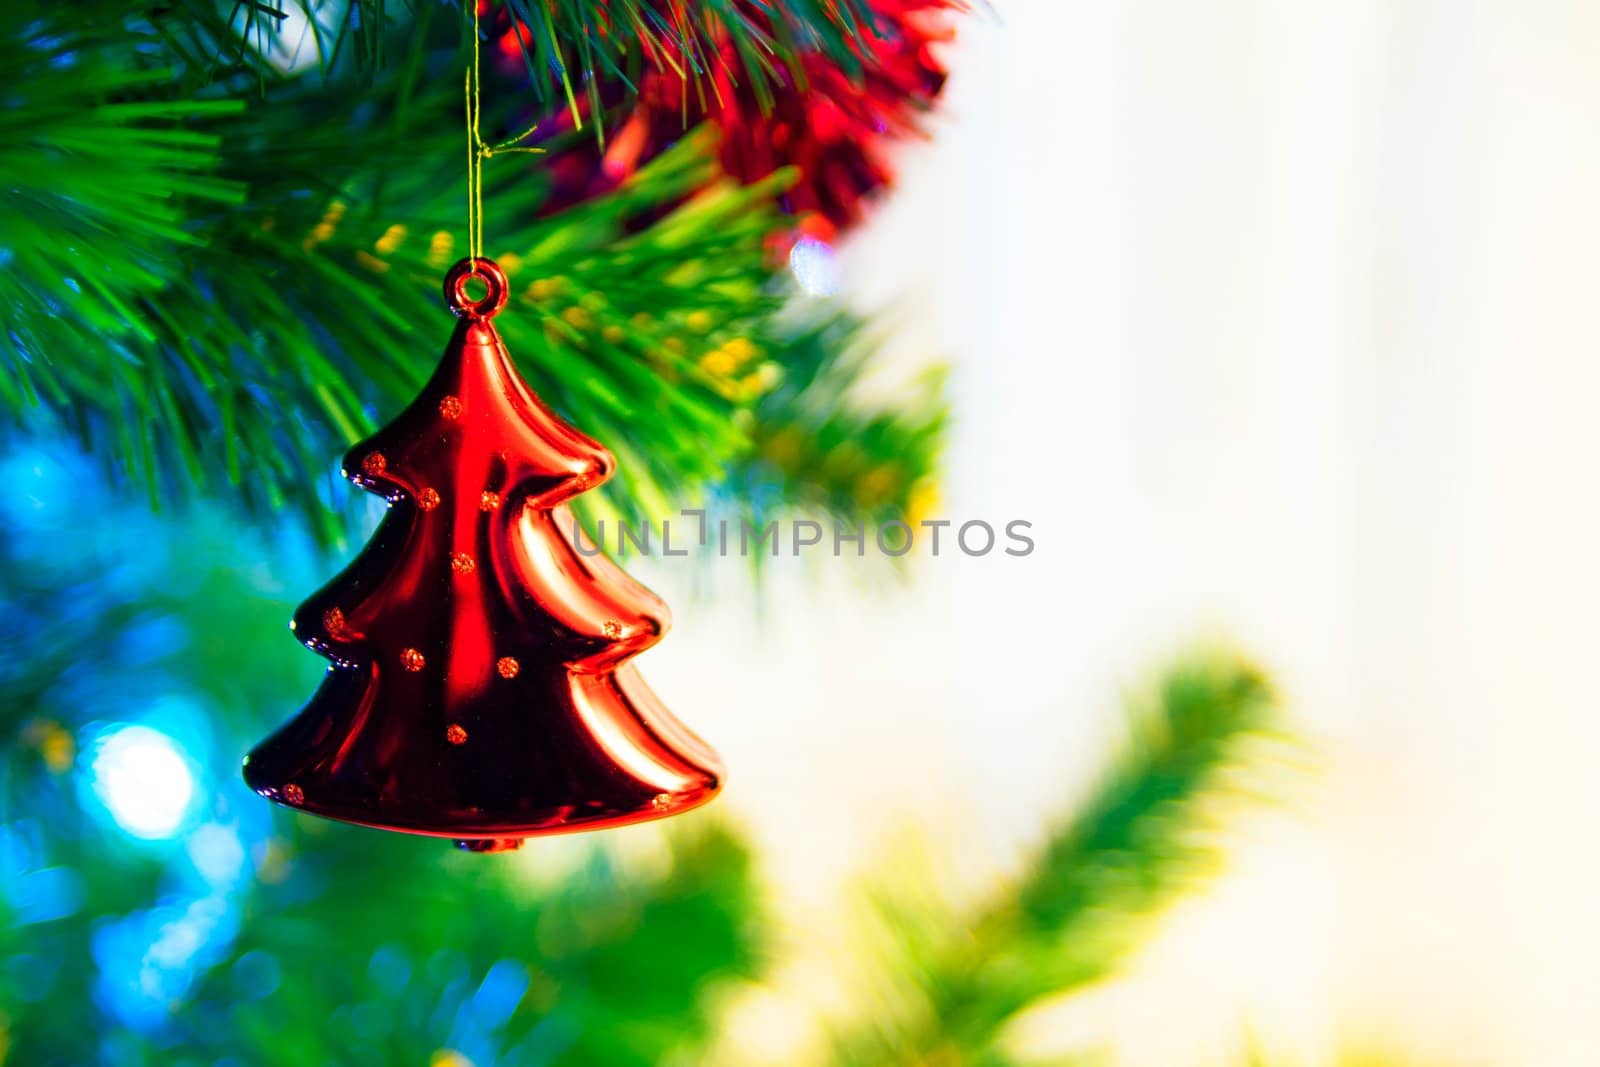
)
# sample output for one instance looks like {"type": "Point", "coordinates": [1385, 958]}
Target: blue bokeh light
{"type": "Point", "coordinates": [144, 781]}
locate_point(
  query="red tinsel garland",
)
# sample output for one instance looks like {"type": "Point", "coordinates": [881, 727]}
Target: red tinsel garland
{"type": "Point", "coordinates": [831, 123]}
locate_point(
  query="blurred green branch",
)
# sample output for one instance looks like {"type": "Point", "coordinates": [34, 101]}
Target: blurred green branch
{"type": "Point", "coordinates": [822, 451]}
{"type": "Point", "coordinates": [609, 967]}
{"type": "Point", "coordinates": [1137, 842]}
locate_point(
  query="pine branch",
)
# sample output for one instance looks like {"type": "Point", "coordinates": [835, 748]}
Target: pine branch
{"type": "Point", "coordinates": [242, 347]}
{"type": "Point", "coordinates": [817, 449]}
{"type": "Point", "coordinates": [1085, 904]}
{"type": "Point", "coordinates": [570, 48]}
{"type": "Point", "coordinates": [603, 968]}
{"type": "Point", "coordinates": [570, 37]}
{"type": "Point", "coordinates": [97, 176]}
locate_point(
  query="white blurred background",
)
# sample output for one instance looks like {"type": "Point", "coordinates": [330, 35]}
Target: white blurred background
{"type": "Point", "coordinates": [1281, 322]}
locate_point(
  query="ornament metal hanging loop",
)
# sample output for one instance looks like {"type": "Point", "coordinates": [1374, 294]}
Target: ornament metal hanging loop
{"type": "Point", "coordinates": [462, 305]}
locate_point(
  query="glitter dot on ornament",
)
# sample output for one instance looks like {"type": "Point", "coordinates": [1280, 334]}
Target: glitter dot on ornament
{"type": "Point", "coordinates": [508, 667]}
{"type": "Point", "coordinates": [489, 500]}
{"type": "Point", "coordinates": [660, 801]}
{"type": "Point", "coordinates": [456, 734]}
{"type": "Point", "coordinates": [428, 499]}
{"type": "Point", "coordinates": [450, 407]}
{"type": "Point", "coordinates": [462, 563]}
{"type": "Point", "coordinates": [412, 660]}
{"type": "Point", "coordinates": [374, 463]}
{"type": "Point", "coordinates": [293, 794]}
{"type": "Point", "coordinates": [333, 622]}
{"type": "Point", "coordinates": [612, 629]}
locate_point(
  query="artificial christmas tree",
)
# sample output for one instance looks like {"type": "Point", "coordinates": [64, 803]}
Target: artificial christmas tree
{"type": "Point", "coordinates": [831, 118]}
{"type": "Point", "coordinates": [480, 688]}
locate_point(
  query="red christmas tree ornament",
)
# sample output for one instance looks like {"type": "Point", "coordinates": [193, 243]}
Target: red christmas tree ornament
{"type": "Point", "coordinates": [831, 123]}
{"type": "Point", "coordinates": [480, 686]}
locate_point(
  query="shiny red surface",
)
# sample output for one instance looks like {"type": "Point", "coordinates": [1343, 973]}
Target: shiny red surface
{"type": "Point", "coordinates": [479, 687]}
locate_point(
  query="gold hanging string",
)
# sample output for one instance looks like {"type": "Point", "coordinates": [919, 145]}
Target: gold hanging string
{"type": "Point", "coordinates": [477, 151]}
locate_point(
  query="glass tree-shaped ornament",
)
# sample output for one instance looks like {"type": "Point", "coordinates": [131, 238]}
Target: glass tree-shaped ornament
{"type": "Point", "coordinates": [479, 686]}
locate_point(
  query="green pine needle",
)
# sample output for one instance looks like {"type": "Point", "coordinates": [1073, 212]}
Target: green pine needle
{"type": "Point", "coordinates": [567, 46]}
{"type": "Point", "coordinates": [98, 185]}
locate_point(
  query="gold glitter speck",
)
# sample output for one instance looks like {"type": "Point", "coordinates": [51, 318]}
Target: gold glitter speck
{"type": "Point", "coordinates": [456, 734]}
{"type": "Point", "coordinates": [508, 666]}
{"type": "Point", "coordinates": [412, 660]}
{"type": "Point", "coordinates": [428, 499]}
{"type": "Point", "coordinates": [374, 463]}
{"type": "Point", "coordinates": [450, 407]}
{"type": "Point", "coordinates": [661, 801]}
{"type": "Point", "coordinates": [489, 500]}
{"type": "Point", "coordinates": [462, 563]}
{"type": "Point", "coordinates": [333, 622]}
{"type": "Point", "coordinates": [293, 794]}
{"type": "Point", "coordinates": [612, 629]}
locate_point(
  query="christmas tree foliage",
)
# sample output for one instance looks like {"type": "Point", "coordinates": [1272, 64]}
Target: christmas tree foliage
{"type": "Point", "coordinates": [480, 686]}
{"type": "Point", "coordinates": [223, 231]}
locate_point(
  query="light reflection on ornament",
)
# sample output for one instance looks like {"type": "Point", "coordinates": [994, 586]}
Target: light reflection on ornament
{"type": "Point", "coordinates": [143, 780]}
